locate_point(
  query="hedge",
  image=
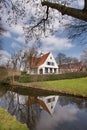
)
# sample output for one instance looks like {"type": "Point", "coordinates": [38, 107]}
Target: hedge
{"type": "Point", "coordinates": [50, 77]}
{"type": "Point", "coordinates": [5, 82]}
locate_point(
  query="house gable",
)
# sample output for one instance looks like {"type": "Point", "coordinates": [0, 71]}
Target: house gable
{"type": "Point", "coordinates": [49, 66]}
{"type": "Point", "coordinates": [49, 61]}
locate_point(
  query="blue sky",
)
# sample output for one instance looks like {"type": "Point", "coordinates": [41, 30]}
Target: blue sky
{"type": "Point", "coordinates": [13, 40]}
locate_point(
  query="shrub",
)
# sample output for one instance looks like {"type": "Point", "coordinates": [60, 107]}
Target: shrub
{"type": "Point", "coordinates": [3, 73]}
{"type": "Point", "coordinates": [24, 79]}
{"type": "Point", "coordinates": [50, 77]}
{"type": "Point", "coordinates": [5, 82]}
{"type": "Point", "coordinates": [23, 72]}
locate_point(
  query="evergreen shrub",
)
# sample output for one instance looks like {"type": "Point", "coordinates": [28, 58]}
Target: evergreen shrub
{"type": "Point", "coordinates": [50, 77]}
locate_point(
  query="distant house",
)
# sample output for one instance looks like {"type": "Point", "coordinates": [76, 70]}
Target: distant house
{"type": "Point", "coordinates": [45, 64]}
{"type": "Point", "coordinates": [72, 67]}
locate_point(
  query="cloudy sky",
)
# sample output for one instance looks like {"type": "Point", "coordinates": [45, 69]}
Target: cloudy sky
{"type": "Point", "coordinates": [14, 40]}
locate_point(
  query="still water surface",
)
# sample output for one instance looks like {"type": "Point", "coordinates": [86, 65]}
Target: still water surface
{"type": "Point", "coordinates": [52, 112]}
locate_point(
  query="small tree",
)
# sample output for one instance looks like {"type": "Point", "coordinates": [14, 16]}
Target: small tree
{"type": "Point", "coordinates": [84, 57]}
{"type": "Point", "coordinates": [30, 57]}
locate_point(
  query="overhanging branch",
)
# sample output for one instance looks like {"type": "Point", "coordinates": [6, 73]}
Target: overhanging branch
{"type": "Point", "coordinates": [73, 12]}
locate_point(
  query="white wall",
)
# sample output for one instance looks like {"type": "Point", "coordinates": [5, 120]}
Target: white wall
{"type": "Point", "coordinates": [51, 59]}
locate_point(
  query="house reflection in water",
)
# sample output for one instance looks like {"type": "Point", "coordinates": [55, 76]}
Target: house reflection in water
{"type": "Point", "coordinates": [47, 103]}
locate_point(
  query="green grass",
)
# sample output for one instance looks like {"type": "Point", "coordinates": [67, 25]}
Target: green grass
{"type": "Point", "coordinates": [72, 86]}
{"type": "Point", "coordinates": [8, 122]}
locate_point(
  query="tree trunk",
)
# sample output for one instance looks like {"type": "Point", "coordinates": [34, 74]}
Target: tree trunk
{"type": "Point", "coordinates": [73, 12]}
{"type": "Point", "coordinates": [85, 5]}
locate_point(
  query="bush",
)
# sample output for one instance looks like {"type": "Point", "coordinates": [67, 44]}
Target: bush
{"type": "Point", "coordinates": [50, 77]}
{"type": "Point", "coordinates": [23, 72]}
{"type": "Point", "coordinates": [24, 79]}
{"type": "Point", "coordinates": [3, 73]}
{"type": "Point", "coordinates": [5, 82]}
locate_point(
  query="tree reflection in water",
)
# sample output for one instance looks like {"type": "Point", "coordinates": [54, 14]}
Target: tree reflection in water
{"type": "Point", "coordinates": [79, 102]}
{"type": "Point", "coordinates": [28, 109]}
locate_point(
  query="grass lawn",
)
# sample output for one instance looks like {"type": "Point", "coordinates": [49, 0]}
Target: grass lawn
{"type": "Point", "coordinates": [8, 122]}
{"type": "Point", "coordinates": [72, 86]}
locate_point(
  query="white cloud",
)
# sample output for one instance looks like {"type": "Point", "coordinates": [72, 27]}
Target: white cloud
{"type": "Point", "coordinates": [55, 43]}
{"type": "Point", "coordinates": [15, 45]}
{"type": "Point", "coordinates": [62, 114]}
{"type": "Point", "coordinates": [7, 34]}
{"type": "Point", "coordinates": [4, 58]}
{"type": "Point", "coordinates": [5, 53]}
{"type": "Point", "coordinates": [20, 39]}
{"type": "Point", "coordinates": [17, 29]}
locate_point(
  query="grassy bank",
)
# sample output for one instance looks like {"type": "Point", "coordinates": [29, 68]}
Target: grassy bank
{"type": "Point", "coordinates": [8, 122]}
{"type": "Point", "coordinates": [72, 86]}
{"type": "Point", "coordinates": [69, 86]}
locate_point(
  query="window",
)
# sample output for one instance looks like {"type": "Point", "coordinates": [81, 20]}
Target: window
{"type": "Point", "coordinates": [48, 63]}
{"type": "Point", "coordinates": [52, 63]}
{"type": "Point", "coordinates": [49, 100]}
{"type": "Point", "coordinates": [50, 57]}
{"type": "Point", "coordinates": [53, 98]}
{"type": "Point", "coordinates": [51, 107]}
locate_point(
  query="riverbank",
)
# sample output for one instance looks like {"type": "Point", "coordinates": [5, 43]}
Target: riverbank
{"type": "Point", "coordinates": [8, 122]}
{"type": "Point", "coordinates": [74, 87]}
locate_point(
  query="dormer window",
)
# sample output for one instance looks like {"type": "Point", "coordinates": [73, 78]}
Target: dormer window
{"type": "Point", "coordinates": [50, 57]}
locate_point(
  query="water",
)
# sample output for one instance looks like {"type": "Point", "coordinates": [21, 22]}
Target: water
{"type": "Point", "coordinates": [51, 112]}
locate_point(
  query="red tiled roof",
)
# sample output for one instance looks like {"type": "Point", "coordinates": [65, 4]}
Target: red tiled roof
{"type": "Point", "coordinates": [43, 58]}
{"type": "Point", "coordinates": [39, 61]}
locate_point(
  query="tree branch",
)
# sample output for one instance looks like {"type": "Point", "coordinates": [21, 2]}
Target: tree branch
{"type": "Point", "coordinates": [42, 20]}
{"type": "Point", "coordinates": [73, 12]}
{"type": "Point", "coordinates": [85, 5]}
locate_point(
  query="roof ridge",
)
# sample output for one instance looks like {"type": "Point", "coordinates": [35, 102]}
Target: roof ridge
{"type": "Point", "coordinates": [39, 61]}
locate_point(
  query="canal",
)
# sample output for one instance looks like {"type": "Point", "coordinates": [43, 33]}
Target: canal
{"type": "Point", "coordinates": [42, 111]}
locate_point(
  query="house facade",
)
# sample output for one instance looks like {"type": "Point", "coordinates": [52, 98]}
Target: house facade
{"type": "Point", "coordinates": [46, 64]}
{"type": "Point", "coordinates": [72, 67]}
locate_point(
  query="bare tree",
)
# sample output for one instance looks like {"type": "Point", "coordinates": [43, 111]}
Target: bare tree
{"type": "Point", "coordinates": [1, 31]}
{"type": "Point", "coordinates": [13, 61]}
{"type": "Point", "coordinates": [41, 15]}
{"type": "Point", "coordinates": [84, 57]}
{"type": "Point", "coordinates": [30, 57]}
{"type": "Point", "coordinates": [60, 58]}
{"type": "Point", "coordinates": [63, 59]}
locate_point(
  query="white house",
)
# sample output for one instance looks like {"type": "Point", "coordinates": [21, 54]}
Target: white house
{"type": "Point", "coordinates": [50, 103]}
{"type": "Point", "coordinates": [46, 64]}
